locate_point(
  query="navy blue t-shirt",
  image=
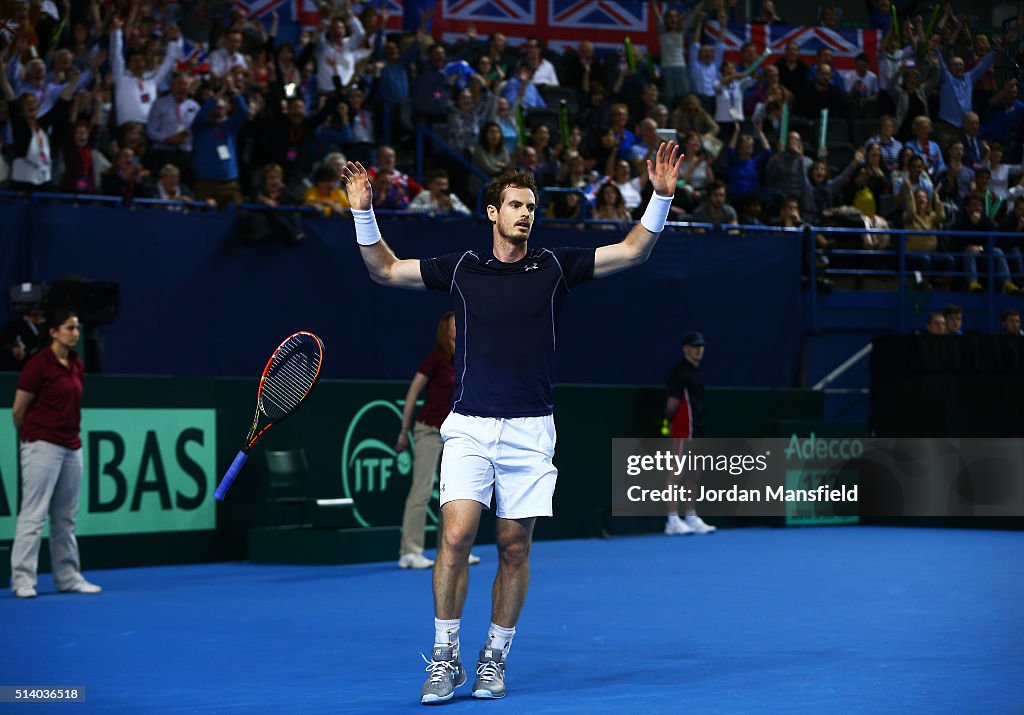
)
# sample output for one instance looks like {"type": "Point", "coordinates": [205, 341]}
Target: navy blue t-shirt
{"type": "Point", "coordinates": [506, 317]}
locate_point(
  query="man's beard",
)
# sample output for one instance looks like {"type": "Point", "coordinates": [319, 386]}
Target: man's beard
{"type": "Point", "coordinates": [515, 239]}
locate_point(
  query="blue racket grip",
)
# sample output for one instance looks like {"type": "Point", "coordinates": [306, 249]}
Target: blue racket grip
{"type": "Point", "coordinates": [230, 475]}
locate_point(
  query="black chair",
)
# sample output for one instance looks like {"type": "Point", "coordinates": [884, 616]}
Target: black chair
{"type": "Point", "coordinates": [289, 493]}
{"type": "Point", "coordinates": [838, 131]}
{"type": "Point", "coordinates": [868, 109]}
{"type": "Point", "coordinates": [544, 115]}
{"type": "Point", "coordinates": [553, 97]}
{"type": "Point", "coordinates": [840, 154]}
{"type": "Point", "coordinates": [887, 207]}
{"type": "Point", "coordinates": [864, 129]}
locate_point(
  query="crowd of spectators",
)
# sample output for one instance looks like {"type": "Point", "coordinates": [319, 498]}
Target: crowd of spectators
{"type": "Point", "coordinates": [119, 98]}
{"type": "Point", "coordinates": [950, 321]}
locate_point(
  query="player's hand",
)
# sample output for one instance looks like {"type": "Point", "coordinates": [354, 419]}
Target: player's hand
{"type": "Point", "coordinates": [665, 169]}
{"type": "Point", "coordinates": [357, 185]}
{"type": "Point", "coordinates": [403, 442]}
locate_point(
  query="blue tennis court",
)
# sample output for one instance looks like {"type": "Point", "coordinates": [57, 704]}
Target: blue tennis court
{"type": "Point", "coordinates": [814, 620]}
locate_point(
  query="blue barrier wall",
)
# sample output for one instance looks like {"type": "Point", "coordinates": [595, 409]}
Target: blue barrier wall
{"type": "Point", "coordinates": [197, 301]}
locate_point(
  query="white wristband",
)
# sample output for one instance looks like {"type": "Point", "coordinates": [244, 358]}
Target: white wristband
{"type": "Point", "coordinates": [367, 231]}
{"type": "Point", "coordinates": [656, 213]}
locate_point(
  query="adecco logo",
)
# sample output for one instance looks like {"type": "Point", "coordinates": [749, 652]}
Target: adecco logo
{"type": "Point", "coordinates": [372, 474]}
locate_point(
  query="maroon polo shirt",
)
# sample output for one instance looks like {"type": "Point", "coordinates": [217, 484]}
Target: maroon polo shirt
{"type": "Point", "coordinates": [440, 388]}
{"type": "Point", "coordinates": [55, 414]}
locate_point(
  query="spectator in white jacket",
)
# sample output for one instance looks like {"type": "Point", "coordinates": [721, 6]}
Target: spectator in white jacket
{"type": "Point", "coordinates": [438, 199]}
{"type": "Point", "coordinates": [135, 89]}
{"type": "Point", "coordinates": [337, 52]}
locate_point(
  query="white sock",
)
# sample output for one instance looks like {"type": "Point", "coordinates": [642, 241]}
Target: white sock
{"type": "Point", "coordinates": [673, 516]}
{"type": "Point", "coordinates": [691, 514]}
{"type": "Point", "coordinates": [500, 638]}
{"type": "Point", "coordinates": [446, 632]}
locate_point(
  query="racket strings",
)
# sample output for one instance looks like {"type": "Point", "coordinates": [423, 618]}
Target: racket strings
{"type": "Point", "coordinates": [288, 381]}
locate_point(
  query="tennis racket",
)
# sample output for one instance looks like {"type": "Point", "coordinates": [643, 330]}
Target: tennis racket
{"type": "Point", "coordinates": [289, 377]}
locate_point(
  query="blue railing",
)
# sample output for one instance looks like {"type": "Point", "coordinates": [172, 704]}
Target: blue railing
{"type": "Point", "coordinates": [423, 133]}
{"type": "Point", "coordinates": [889, 262]}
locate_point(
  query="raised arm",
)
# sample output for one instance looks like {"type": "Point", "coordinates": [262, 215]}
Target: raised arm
{"type": "Point", "coordinates": [6, 91]}
{"type": "Point", "coordinates": [356, 34]}
{"type": "Point", "coordinates": [639, 242]}
{"type": "Point", "coordinates": [720, 40]}
{"type": "Point", "coordinates": [904, 196]}
{"type": "Point", "coordinates": [116, 54]}
{"type": "Point", "coordinates": [765, 144]}
{"type": "Point", "coordinates": [384, 267]}
{"type": "Point", "coordinates": [979, 69]}
{"type": "Point", "coordinates": [171, 55]}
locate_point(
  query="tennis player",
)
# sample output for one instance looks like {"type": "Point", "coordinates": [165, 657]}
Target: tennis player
{"type": "Point", "coordinates": [500, 436]}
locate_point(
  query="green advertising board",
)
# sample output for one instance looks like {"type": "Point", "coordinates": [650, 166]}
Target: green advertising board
{"type": "Point", "coordinates": [145, 470]}
{"type": "Point", "coordinates": [372, 473]}
{"type": "Point", "coordinates": [821, 513]}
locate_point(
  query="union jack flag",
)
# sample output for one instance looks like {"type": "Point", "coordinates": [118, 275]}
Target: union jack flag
{"type": "Point", "coordinates": [514, 18]}
{"type": "Point", "coordinates": [627, 17]}
{"type": "Point", "coordinates": [302, 12]}
{"type": "Point", "coordinates": [845, 44]}
{"type": "Point", "coordinates": [194, 58]}
{"type": "Point", "coordinates": [565, 23]}
{"type": "Point", "coordinates": [561, 23]}
{"type": "Point", "coordinates": [8, 28]}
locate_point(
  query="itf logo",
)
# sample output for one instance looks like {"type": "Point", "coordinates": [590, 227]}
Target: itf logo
{"type": "Point", "coordinates": [373, 475]}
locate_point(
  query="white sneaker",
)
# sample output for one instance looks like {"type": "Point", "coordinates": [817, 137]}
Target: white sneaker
{"type": "Point", "coordinates": [414, 561]}
{"type": "Point", "coordinates": [697, 525]}
{"type": "Point", "coordinates": [25, 592]}
{"type": "Point", "coordinates": [473, 560]}
{"type": "Point", "coordinates": [82, 586]}
{"type": "Point", "coordinates": [676, 527]}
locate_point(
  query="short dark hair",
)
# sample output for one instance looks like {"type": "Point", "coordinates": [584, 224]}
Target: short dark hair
{"type": "Point", "coordinates": [863, 56]}
{"type": "Point", "coordinates": [952, 309]}
{"type": "Point", "coordinates": [324, 173]}
{"type": "Point", "coordinates": [437, 174]}
{"type": "Point", "coordinates": [716, 185]}
{"type": "Point", "coordinates": [517, 179]}
{"type": "Point", "coordinates": [1010, 312]}
{"type": "Point", "coordinates": [57, 315]}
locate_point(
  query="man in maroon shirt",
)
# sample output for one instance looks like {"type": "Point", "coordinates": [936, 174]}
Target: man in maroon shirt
{"type": "Point", "coordinates": [47, 413]}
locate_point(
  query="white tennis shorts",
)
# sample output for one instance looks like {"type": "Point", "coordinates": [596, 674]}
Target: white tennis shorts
{"type": "Point", "coordinates": [507, 457]}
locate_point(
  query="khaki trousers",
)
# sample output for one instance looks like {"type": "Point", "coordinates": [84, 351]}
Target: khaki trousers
{"type": "Point", "coordinates": [427, 444]}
